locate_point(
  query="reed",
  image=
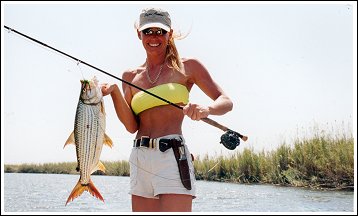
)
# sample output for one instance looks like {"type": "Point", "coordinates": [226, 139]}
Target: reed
{"type": "Point", "coordinates": [324, 160]}
{"type": "Point", "coordinates": [58, 168]}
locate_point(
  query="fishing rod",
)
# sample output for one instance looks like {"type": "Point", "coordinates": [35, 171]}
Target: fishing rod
{"type": "Point", "coordinates": [230, 139]}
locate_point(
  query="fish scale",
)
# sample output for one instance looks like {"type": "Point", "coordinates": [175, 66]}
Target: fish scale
{"type": "Point", "coordinates": [87, 126]}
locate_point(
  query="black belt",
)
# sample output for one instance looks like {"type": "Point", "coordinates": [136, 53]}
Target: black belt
{"type": "Point", "coordinates": [179, 153]}
{"type": "Point", "coordinates": [164, 143]}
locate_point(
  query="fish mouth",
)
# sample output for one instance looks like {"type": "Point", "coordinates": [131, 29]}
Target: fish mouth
{"type": "Point", "coordinates": [91, 94]}
{"type": "Point", "coordinates": [87, 84]}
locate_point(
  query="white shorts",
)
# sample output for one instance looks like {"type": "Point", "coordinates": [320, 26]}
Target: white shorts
{"type": "Point", "coordinates": [153, 172]}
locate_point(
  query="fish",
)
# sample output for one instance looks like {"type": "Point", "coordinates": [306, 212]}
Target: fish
{"type": "Point", "coordinates": [89, 137]}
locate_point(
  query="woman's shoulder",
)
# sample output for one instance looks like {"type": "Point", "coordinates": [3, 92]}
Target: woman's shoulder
{"type": "Point", "coordinates": [130, 73]}
{"type": "Point", "coordinates": [190, 60]}
{"type": "Point", "coordinates": [192, 64]}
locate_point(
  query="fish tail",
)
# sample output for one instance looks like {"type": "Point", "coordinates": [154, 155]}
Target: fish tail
{"type": "Point", "coordinates": [76, 192]}
{"type": "Point", "coordinates": [79, 188]}
{"type": "Point", "coordinates": [93, 190]}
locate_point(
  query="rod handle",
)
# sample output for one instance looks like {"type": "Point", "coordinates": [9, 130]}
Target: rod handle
{"type": "Point", "coordinates": [214, 123]}
{"type": "Point", "coordinates": [222, 127]}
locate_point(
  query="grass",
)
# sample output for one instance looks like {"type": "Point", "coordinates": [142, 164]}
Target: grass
{"type": "Point", "coordinates": [320, 161]}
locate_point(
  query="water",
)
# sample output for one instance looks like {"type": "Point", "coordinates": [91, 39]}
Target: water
{"type": "Point", "coordinates": [49, 192]}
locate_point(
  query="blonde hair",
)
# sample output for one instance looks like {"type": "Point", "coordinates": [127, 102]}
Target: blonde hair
{"type": "Point", "coordinates": [172, 56]}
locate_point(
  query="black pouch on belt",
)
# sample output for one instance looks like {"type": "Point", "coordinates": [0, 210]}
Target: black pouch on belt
{"type": "Point", "coordinates": [182, 161]}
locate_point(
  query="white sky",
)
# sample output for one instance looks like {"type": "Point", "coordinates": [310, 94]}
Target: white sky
{"type": "Point", "coordinates": [287, 67]}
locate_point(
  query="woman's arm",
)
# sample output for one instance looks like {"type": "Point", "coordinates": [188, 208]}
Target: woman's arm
{"type": "Point", "coordinates": [201, 77]}
{"type": "Point", "coordinates": [121, 103]}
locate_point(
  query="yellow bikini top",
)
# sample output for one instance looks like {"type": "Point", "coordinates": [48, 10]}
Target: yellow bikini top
{"type": "Point", "coordinates": [173, 92]}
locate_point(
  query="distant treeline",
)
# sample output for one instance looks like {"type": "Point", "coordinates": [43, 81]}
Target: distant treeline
{"type": "Point", "coordinates": [318, 162]}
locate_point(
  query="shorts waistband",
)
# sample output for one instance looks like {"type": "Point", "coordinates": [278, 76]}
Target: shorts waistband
{"type": "Point", "coordinates": [146, 141]}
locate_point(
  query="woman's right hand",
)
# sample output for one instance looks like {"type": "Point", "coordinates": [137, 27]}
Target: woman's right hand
{"type": "Point", "coordinates": [123, 110]}
{"type": "Point", "coordinates": [107, 88]}
{"type": "Point", "coordinates": [196, 111]}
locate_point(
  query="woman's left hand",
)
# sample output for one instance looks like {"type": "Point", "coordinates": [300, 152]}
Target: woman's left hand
{"type": "Point", "coordinates": [196, 111]}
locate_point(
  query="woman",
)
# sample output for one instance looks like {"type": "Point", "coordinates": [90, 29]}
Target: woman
{"type": "Point", "coordinates": [159, 179]}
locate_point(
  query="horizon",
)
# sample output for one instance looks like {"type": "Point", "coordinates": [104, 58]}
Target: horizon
{"type": "Point", "coordinates": [288, 68]}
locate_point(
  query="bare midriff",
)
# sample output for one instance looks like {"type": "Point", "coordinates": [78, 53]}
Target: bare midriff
{"type": "Point", "coordinates": [160, 121]}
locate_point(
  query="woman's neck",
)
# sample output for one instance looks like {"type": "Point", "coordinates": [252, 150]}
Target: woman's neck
{"type": "Point", "coordinates": [155, 60]}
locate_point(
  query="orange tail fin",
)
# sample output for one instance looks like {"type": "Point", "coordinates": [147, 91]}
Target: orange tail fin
{"type": "Point", "coordinates": [79, 188]}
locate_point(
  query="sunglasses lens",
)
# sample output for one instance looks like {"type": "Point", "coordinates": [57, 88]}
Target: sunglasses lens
{"type": "Point", "coordinates": [162, 32]}
{"type": "Point", "coordinates": [150, 31]}
{"type": "Point", "coordinates": [147, 31]}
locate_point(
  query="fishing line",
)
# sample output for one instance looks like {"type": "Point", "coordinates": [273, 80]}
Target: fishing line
{"type": "Point", "coordinates": [78, 68]}
{"type": "Point", "coordinates": [213, 167]}
{"type": "Point", "coordinates": [89, 65]}
{"type": "Point", "coordinates": [139, 167]}
{"type": "Point", "coordinates": [78, 65]}
{"type": "Point", "coordinates": [28, 39]}
{"type": "Point", "coordinates": [151, 172]}
{"type": "Point", "coordinates": [230, 139]}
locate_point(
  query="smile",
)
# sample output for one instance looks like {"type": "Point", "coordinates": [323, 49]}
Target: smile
{"type": "Point", "coordinates": [154, 45]}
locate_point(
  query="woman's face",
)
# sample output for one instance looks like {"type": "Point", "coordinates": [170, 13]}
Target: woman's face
{"type": "Point", "coordinates": [155, 39]}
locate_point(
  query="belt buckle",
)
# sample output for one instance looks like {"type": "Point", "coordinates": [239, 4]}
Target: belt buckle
{"type": "Point", "coordinates": [141, 143]}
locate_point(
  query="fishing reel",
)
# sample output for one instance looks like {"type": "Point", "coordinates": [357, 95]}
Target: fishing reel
{"type": "Point", "coordinates": [230, 139]}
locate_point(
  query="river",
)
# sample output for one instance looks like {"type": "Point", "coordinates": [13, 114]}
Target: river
{"type": "Point", "coordinates": [49, 192]}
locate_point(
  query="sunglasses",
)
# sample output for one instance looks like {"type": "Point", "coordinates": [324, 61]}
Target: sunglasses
{"type": "Point", "coordinates": [158, 32]}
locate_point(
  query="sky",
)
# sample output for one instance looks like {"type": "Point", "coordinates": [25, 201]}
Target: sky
{"type": "Point", "coordinates": [290, 70]}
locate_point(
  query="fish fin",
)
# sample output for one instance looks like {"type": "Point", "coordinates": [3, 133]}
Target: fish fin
{"type": "Point", "coordinates": [107, 141]}
{"type": "Point", "coordinates": [93, 191]}
{"type": "Point", "coordinates": [76, 192]}
{"type": "Point", "coordinates": [102, 107]}
{"type": "Point", "coordinates": [79, 188]}
{"type": "Point", "coordinates": [99, 166]}
{"type": "Point", "coordinates": [70, 139]}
